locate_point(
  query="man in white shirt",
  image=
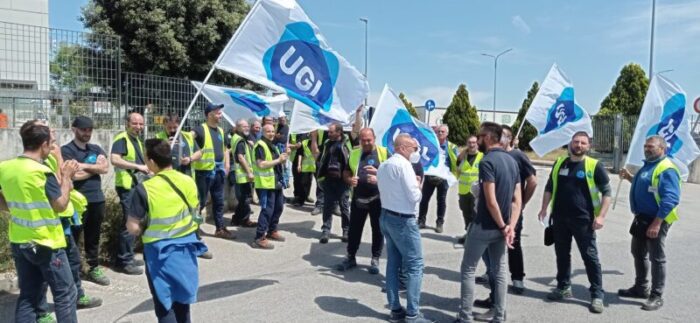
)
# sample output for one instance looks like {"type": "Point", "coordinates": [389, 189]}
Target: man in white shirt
{"type": "Point", "coordinates": [399, 187]}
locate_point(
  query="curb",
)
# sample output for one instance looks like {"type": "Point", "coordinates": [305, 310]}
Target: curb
{"type": "Point", "coordinates": [9, 284]}
{"type": "Point", "coordinates": [538, 162]}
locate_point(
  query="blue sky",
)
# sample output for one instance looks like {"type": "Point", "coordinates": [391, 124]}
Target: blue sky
{"type": "Point", "coordinates": [427, 48]}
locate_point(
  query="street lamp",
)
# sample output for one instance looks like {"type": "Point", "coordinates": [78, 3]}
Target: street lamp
{"type": "Point", "coordinates": [366, 21]}
{"type": "Point", "coordinates": [495, 69]}
{"type": "Point", "coordinates": [651, 43]}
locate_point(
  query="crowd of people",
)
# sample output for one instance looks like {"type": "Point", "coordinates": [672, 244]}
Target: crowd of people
{"type": "Point", "coordinates": [54, 195]}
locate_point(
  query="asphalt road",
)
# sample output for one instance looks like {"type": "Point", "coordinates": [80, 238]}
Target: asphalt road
{"type": "Point", "coordinates": [295, 281]}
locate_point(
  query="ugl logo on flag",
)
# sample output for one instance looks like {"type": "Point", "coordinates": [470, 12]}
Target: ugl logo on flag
{"type": "Point", "coordinates": [555, 114]}
{"type": "Point", "coordinates": [240, 103]}
{"type": "Point", "coordinates": [300, 65]}
{"type": "Point", "coordinates": [671, 119]}
{"type": "Point", "coordinates": [250, 101]}
{"type": "Point", "coordinates": [663, 113]}
{"type": "Point", "coordinates": [403, 123]}
{"type": "Point", "coordinates": [563, 111]}
{"type": "Point", "coordinates": [391, 118]}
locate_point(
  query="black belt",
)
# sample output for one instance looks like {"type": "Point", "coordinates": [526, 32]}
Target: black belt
{"type": "Point", "coordinates": [403, 215]}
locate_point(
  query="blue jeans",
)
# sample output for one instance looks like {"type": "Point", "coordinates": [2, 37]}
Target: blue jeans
{"type": "Point", "coordinates": [480, 241]}
{"type": "Point", "coordinates": [39, 265]}
{"type": "Point", "coordinates": [125, 248]}
{"type": "Point", "coordinates": [73, 256]}
{"type": "Point", "coordinates": [404, 252]}
{"type": "Point", "coordinates": [212, 182]}
{"type": "Point", "coordinates": [271, 206]}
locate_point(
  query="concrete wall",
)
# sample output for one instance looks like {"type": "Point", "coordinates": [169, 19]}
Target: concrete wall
{"type": "Point", "coordinates": [11, 144]}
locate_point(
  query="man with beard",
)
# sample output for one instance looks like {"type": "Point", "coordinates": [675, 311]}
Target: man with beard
{"type": "Point", "coordinates": [92, 161]}
{"type": "Point", "coordinates": [578, 190]}
{"type": "Point", "coordinates": [185, 150]}
{"type": "Point", "coordinates": [335, 190]}
{"type": "Point", "coordinates": [498, 210]}
{"type": "Point", "coordinates": [255, 132]}
{"type": "Point", "coordinates": [654, 199]}
{"type": "Point", "coordinates": [268, 184]}
{"type": "Point", "coordinates": [242, 176]}
{"type": "Point", "coordinates": [129, 166]}
{"type": "Point", "coordinates": [468, 161]}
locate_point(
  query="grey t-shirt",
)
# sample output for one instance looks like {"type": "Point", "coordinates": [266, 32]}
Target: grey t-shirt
{"type": "Point", "coordinates": [497, 167]}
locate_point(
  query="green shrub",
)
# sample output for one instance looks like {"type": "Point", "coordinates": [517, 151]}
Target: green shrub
{"type": "Point", "coordinates": [6, 263]}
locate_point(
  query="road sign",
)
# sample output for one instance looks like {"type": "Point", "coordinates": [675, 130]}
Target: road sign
{"type": "Point", "coordinates": [696, 105]}
{"type": "Point", "coordinates": [430, 105]}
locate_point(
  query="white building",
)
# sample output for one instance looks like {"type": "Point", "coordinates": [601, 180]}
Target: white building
{"type": "Point", "coordinates": [435, 117]}
{"type": "Point", "coordinates": [24, 45]}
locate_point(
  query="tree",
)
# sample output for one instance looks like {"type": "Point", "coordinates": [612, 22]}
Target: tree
{"type": "Point", "coordinates": [169, 38]}
{"type": "Point", "coordinates": [529, 132]}
{"type": "Point", "coordinates": [627, 95]}
{"type": "Point", "coordinates": [461, 117]}
{"type": "Point", "coordinates": [408, 104]}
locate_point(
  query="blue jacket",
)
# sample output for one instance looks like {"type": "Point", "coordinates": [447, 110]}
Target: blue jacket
{"type": "Point", "coordinates": [172, 268]}
{"type": "Point", "coordinates": [642, 200]}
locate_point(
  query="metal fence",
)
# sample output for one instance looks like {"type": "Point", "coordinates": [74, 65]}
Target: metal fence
{"type": "Point", "coordinates": [56, 74]}
{"type": "Point", "coordinates": [604, 132]}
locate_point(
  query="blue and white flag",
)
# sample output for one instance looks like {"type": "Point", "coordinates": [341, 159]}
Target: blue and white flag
{"type": "Point", "coordinates": [278, 46]}
{"type": "Point", "coordinates": [555, 114]}
{"type": "Point", "coordinates": [305, 119]}
{"type": "Point", "coordinates": [665, 112]}
{"type": "Point", "coordinates": [391, 118]}
{"type": "Point", "coordinates": [243, 104]}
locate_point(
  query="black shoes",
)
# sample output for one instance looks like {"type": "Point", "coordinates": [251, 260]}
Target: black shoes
{"type": "Point", "coordinates": [654, 303]}
{"type": "Point", "coordinates": [634, 292]}
{"type": "Point", "coordinates": [348, 263]}
{"type": "Point", "coordinates": [324, 237]}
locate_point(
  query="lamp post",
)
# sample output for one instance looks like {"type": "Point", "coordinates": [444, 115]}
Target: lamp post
{"type": "Point", "coordinates": [495, 73]}
{"type": "Point", "coordinates": [651, 43]}
{"type": "Point", "coordinates": [366, 21]}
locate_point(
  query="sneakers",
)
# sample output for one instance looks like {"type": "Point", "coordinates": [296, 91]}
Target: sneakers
{"type": "Point", "coordinates": [138, 262]}
{"type": "Point", "coordinates": [316, 211]}
{"type": "Point", "coordinates": [262, 244]}
{"type": "Point", "coordinates": [488, 316]}
{"type": "Point", "coordinates": [374, 266]}
{"type": "Point", "coordinates": [88, 302]}
{"type": "Point", "coordinates": [483, 303]}
{"type": "Point", "coordinates": [223, 233]}
{"type": "Point", "coordinates": [421, 225]}
{"type": "Point", "coordinates": [438, 228]}
{"type": "Point", "coordinates": [462, 239]}
{"type": "Point", "coordinates": [324, 237]}
{"type": "Point", "coordinates": [634, 292]}
{"type": "Point", "coordinates": [560, 294]}
{"type": "Point", "coordinates": [416, 319]}
{"type": "Point", "coordinates": [397, 316]}
{"type": "Point", "coordinates": [97, 276]}
{"type": "Point", "coordinates": [348, 263]}
{"type": "Point", "coordinates": [518, 287]}
{"type": "Point", "coordinates": [129, 269]}
{"type": "Point", "coordinates": [344, 237]}
{"type": "Point", "coordinates": [654, 303]}
{"type": "Point", "coordinates": [276, 236]}
{"type": "Point", "coordinates": [206, 255]}
{"type": "Point", "coordinates": [47, 318]}
{"type": "Point", "coordinates": [483, 279]}
{"type": "Point", "coordinates": [596, 306]}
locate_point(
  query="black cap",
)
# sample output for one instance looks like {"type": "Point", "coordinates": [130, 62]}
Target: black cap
{"type": "Point", "coordinates": [82, 122]}
{"type": "Point", "coordinates": [211, 107]}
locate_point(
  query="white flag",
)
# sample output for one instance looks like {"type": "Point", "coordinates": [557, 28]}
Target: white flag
{"type": "Point", "coordinates": [391, 118]}
{"type": "Point", "coordinates": [278, 46]}
{"type": "Point", "coordinates": [665, 112]}
{"type": "Point", "coordinates": [555, 114]}
{"type": "Point", "coordinates": [305, 119]}
{"type": "Point", "coordinates": [243, 104]}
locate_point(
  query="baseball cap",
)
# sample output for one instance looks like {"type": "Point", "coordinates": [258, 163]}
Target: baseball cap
{"type": "Point", "coordinates": [211, 107]}
{"type": "Point", "coordinates": [82, 122]}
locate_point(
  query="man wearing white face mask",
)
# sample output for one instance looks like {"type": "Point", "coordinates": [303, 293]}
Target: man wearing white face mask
{"type": "Point", "coordinates": [399, 187]}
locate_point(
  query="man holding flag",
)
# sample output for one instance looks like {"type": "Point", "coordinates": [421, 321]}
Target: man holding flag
{"type": "Point", "coordinates": [449, 152]}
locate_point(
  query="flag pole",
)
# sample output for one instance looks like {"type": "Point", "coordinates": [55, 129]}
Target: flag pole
{"type": "Point", "coordinates": [522, 125]}
{"type": "Point", "coordinates": [211, 71]}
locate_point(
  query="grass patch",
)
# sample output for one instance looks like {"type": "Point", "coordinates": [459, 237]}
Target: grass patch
{"type": "Point", "coordinates": [551, 156]}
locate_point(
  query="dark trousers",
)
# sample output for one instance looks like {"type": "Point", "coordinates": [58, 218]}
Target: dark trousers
{"type": "Point", "coordinates": [319, 192]}
{"type": "Point", "coordinates": [35, 267]}
{"type": "Point", "coordinates": [92, 229]}
{"type": "Point", "coordinates": [212, 182]}
{"type": "Point", "coordinates": [467, 204]}
{"type": "Point", "coordinates": [335, 191]}
{"type": "Point", "coordinates": [516, 262]}
{"type": "Point", "coordinates": [644, 250]}
{"type": "Point", "coordinates": [428, 188]}
{"type": "Point", "coordinates": [357, 223]}
{"type": "Point", "coordinates": [271, 206]}
{"type": "Point", "coordinates": [244, 195]}
{"type": "Point", "coordinates": [302, 185]}
{"type": "Point", "coordinates": [125, 248]}
{"type": "Point", "coordinates": [581, 230]}
{"type": "Point", "coordinates": [73, 256]}
{"type": "Point", "coordinates": [178, 313]}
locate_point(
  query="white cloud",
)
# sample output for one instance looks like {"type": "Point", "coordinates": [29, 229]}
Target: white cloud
{"type": "Point", "coordinates": [520, 24]}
